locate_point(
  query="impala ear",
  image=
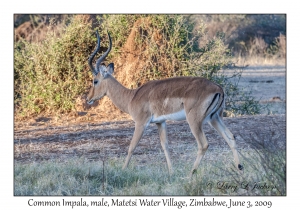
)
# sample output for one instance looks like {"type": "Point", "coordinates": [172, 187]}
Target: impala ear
{"type": "Point", "coordinates": [110, 68]}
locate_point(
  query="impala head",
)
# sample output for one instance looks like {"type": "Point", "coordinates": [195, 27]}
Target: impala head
{"type": "Point", "coordinates": [100, 73]}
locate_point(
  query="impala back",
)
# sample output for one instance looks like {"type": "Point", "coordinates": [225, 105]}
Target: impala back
{"type": "Point", "coordinates": [171, 98]}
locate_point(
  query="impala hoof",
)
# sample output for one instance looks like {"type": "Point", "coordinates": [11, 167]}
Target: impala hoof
{"type": "Point", "coordinates": [240, 167]}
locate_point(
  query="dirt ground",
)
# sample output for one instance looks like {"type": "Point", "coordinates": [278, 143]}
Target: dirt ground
{"type": "Point", "coordinates": [41, 139]}
{"type": "Point", "coordinates": [112, 139]}
{"type": "Point", "coordinates": [267, 84]}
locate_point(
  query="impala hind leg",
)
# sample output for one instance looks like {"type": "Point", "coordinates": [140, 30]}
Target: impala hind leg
{"type": "Point", "coordinates": [162, 129]}
{"type": "Point", "coordinates": [137, 135]}
{"type": "Point", "coordinates": [217, 122]}
{"type": "Point", "coordinates": [197, 130]}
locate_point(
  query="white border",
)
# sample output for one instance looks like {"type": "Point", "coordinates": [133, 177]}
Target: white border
{"type": "Point", "coordinates": [153, 6]}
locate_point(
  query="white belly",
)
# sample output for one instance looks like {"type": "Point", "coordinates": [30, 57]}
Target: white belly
{"type": "Point", "coordinates": [177, 116]}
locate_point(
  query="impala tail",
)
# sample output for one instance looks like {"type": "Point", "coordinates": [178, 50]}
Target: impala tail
{"type": "Point", "coordinates": [216, 105]}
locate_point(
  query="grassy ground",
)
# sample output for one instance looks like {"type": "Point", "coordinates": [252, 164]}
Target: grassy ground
{"type": "Point", "coordinates": [215, 177]}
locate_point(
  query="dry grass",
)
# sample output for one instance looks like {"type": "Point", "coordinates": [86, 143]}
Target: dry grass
{"type": "Point", "coordinates": [82, 177]}
{"type": "Point", "coordinates": [259, 53]}
{"type": "Point", "coordinates": [256, 40]}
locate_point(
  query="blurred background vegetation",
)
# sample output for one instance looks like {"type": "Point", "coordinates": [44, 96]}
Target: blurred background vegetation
{"type": "Point", "coordinates": [51, 74]}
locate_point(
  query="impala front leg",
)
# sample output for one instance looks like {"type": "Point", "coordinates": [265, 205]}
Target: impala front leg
{"type": "Point", "coordinates": [137, 135]}
{"type": "Point", "coordinates": [162, 129]}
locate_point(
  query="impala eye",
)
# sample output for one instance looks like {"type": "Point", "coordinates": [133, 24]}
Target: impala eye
{"type": "Point", "coordinates": [95, 82]}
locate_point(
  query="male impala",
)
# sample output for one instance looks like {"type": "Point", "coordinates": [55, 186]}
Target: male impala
{"type": "Point", "coordinates": [195, 99]}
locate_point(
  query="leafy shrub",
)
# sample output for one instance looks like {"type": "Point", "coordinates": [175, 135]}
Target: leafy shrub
{"type": "Point", "coordinates": [50, 74]}
{"type": "Point", "coordinates": [169, 44]}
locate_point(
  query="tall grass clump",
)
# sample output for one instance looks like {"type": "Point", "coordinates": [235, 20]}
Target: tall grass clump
{"type": "Point", "coordinates": [50, 74]}
{"type": "Point", "coordinates": [264, 174]}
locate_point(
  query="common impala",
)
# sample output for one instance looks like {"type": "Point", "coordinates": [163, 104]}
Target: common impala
{"type": "Point", "coordinates": [195, 99]}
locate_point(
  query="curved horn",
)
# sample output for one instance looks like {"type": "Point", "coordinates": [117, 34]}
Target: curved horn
{"type": "Point", "coordinates": [104, 55]}
{"type": "Point", "coordinates": [90, 61]}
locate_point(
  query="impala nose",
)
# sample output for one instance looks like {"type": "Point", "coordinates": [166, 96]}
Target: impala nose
{"type": "Point", "coordinates": [89, 101]}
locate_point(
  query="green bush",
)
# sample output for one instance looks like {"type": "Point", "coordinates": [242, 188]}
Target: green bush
{"type": "Point", "coordinates": [170, 43]}
{"type": "Point", "coordinates": [51, 74]}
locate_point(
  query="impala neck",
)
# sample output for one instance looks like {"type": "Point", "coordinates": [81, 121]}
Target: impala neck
{"type": "Point", "coordinates": [120, 95]}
